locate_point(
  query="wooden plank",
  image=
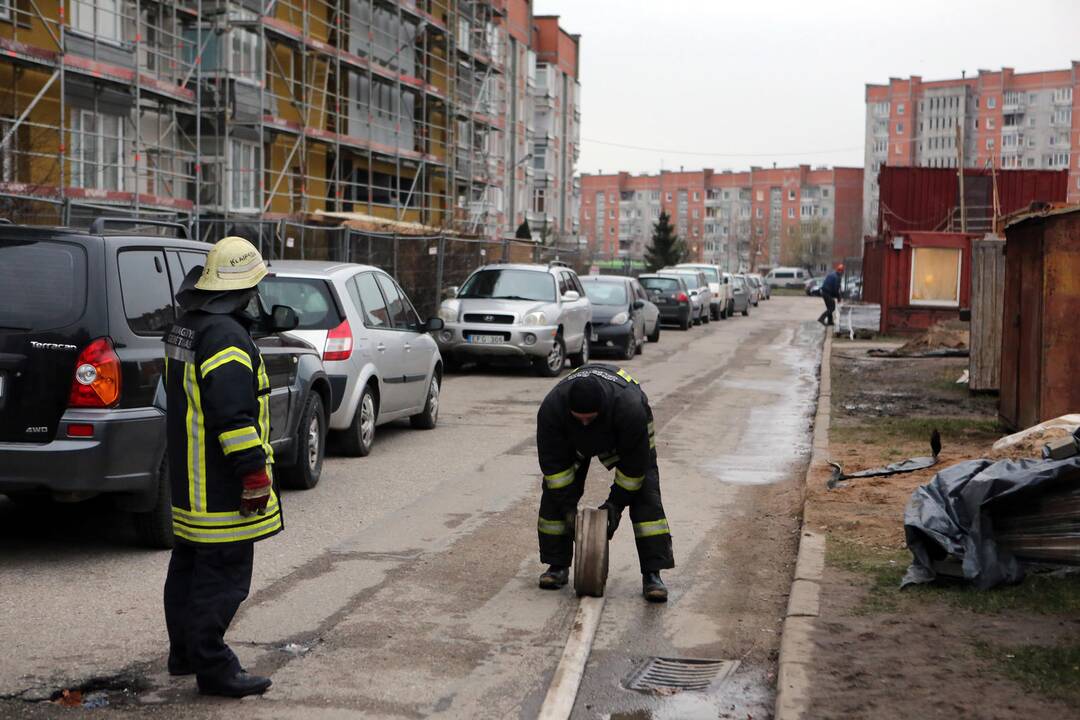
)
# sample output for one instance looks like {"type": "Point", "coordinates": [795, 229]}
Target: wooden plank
{"type": "Point", "coordinates": [987, 295]}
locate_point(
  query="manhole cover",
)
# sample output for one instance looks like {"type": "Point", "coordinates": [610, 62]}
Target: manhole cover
{"type": "Point", "coordinates": [659, 674]}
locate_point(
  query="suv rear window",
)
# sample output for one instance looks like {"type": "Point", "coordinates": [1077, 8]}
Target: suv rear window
{"type": "Point", "coordinates": [42, 284]}
{"type": "Point", "coordinates": [309, 297]}
{"type": "Point", "coordinates": [661, 284]}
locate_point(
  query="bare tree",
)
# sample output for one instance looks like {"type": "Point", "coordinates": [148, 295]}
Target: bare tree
{"type": "Point", "coordinates": [812, 244]}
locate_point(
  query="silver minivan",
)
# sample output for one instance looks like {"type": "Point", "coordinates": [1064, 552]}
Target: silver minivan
{"type": "Point", "coordinates": [719, 286]}
{"type": "Point", "coordinates": [382, 363]}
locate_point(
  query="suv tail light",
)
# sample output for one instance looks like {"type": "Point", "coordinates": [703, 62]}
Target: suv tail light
{"type": "Point", "coordinates": [339, 343]}
{"type": "Point", "coordinates": [97, 376]}
{"type": "Point", "coordinates": [683, 297]}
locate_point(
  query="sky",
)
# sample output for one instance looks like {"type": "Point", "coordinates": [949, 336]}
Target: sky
{"type": "Point", "coordinates": [726, 84]}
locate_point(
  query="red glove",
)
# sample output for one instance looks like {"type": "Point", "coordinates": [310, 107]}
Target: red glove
{"type": "Point", "coordinates": [256, 493]}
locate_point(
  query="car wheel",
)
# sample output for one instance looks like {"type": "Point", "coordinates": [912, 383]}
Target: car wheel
{"type": "Point", "coordinates": [552, 364]}
{"type": "Point", "coordinates": [706, 316]}
{"type": "Point", "coordinates": [655, 337]}
{"type": "Point", "coordinates": [426, 420]}
{"type": "Point", "coordinates": [684, 323]}
{"type": "Point", "coordinates": [360, 435]}
{"type": "Point", "coordinates": [310, 447]}
{"type": "Point", "coordinates": [746, 312]}
{"type": "Point", "coordinates": [630, 350]}
{"type": "Point", "coordinates": [580, 358]}
{"type": "Point", "coordinates": [723, 312]}
{"type": "Point", "coordinates": [640, 347]}
{"type": "Point", "coordinates": [154, 527]}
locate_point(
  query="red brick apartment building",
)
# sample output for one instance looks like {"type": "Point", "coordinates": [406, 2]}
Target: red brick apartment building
{"type": "Point", "coordinates": [1006, 119]}
{"type": "Point", "coordinates": [762, 217]}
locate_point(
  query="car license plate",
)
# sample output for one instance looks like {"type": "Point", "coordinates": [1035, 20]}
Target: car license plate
{"type": "Point", "coordinates": [661, 301]}
{"type": "Point", "coordinates": [486, 339]}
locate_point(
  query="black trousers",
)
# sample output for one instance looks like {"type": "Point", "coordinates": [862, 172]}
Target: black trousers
{"type": "Point", "coordinates": [651, 532]}
{"type": "Point", "coordinates": [203, 590]}
{"type": "Point", "coordinates": [830, 307]}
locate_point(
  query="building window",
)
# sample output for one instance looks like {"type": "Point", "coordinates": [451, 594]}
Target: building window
{"type": "Point", "coordinates": [790, 194]}
{"type": "Point", "coordinates": [695, 213]}
{"type": "Point", "coordinates": [824, 212]}
{"type": "Point", "coordinates": [824, 192]}
{"type": "Point", "coordinates": [696, 197]}
{"type": "Point", "coordinates": [900, 128]}
{"type": "Point", "coordinates": [935, 276]}
{"type": "Point", "coordinates": [667, 196]}
{"type": "Point", "coordinates": [989, 123]}
{"type": "Point", "coordinates": [989, 143]}
{"type": "Point", "coordinates": [100, 18]}
{"type": "Point", "coordinates": [245, 170]}
{"type": "Point", "coordinates": [245, 56]}
{"type": "Point", "coordinates": [97, 146]}
{"type": "Point", "coordinates": [897, 149]}
{"type": "Point", "coordinates": [758, 213]}
{"type": "Point", "coordinates": [610, 214]}
{"type": "Point", "coordinates": [791, 213]}
{"type": "Point", "coordinates": [899, 108]}
{"type": "Point", "coordinates": [9, 152]}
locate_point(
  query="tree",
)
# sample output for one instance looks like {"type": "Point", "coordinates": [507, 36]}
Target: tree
{"type": "Point", "coordinates": [523, 231]}
{"type": "Point", "coordinates": [812, 245]}
{"type": "Point", "coordinates": [665, 248]}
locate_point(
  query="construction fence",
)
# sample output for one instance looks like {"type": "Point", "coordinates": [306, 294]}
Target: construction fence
{"type": "Point", "coordinates": [428, 267]}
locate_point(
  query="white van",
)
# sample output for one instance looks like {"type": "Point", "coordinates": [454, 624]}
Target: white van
{"type": "Point", "coordinates": [720, 286]}
{"type": "Point", "coordinates": [787, 277]}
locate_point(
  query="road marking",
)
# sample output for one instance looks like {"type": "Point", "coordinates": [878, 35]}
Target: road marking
{"type": "Point", "coordinates": [559, 701]}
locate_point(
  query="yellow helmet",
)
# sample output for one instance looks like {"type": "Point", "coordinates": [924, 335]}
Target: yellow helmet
{"type": "Point", "coordinates": [233, 264]}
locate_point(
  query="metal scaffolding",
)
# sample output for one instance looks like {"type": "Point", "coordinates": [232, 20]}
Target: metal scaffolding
{"type": "Point", "coordinates": [242, 114]}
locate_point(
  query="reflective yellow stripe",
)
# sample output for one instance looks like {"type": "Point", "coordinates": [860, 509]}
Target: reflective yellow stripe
{"type": "Point", "coordinates": [552, 527]}
{"type": "Point", "coordinates": [652, 441]}
{"type": "Point", "coordinates": [237, 440]}
{"type": "Point", "coordinates": [651, 528]}
{"type": "Point", "coordinates": [627, 376]}
{"type": "Point", "coordinates": [626, 482]}
{"type": "Point", "coordinates": [229, 354]}
{"type": "Point", "coordinates": [264, 412]}
{"type": "Point", "coordinates": [560, 479]}
{"type": "Point", "coordinates": [264, 526]}
{"type": "Point", "coordinates": [196, 449]}
{"type": "Point", "coordinates": [212, 519]}
{"type": "Point", "coordinates": [610, 461]}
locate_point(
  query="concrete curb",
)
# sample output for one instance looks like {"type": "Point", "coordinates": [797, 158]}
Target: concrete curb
{"type": "Point", "coordinates": [796, 644]}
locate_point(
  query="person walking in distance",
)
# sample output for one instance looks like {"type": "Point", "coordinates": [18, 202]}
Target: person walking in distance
{"type": "Point", "coordinates": [220, 464]}
{"type": "Point", "coordinates": [830, 293]}
{"type": "Point", "coordinates": [600, 410]}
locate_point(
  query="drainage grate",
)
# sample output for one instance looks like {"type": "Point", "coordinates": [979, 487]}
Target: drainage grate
{"type": "Point", "coordinates": [660, 674]}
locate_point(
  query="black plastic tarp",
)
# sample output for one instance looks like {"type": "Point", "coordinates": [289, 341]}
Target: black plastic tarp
{"type": "Point", "coordinates": [954, 515]}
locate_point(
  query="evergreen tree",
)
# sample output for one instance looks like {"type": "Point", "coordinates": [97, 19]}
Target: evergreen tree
{"type": "Point", "coordinates": [666, 248]}
{"type": "Point", "coordinates": [523, 231]}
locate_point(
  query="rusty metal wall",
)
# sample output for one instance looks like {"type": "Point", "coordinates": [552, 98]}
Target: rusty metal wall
{"type": "Point", "coordinates": [987, 295]}
{"type": "Point", "coordinates": [918, 198]}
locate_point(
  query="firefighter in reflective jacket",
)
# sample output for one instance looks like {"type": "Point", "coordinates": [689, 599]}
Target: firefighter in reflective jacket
{"type": "Point", "coordinates": [600, 411]}
{"type": "Point", "coordinates": [220, 461]}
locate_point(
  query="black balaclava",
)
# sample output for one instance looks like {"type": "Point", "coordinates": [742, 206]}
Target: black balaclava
{"type": "Point", "coordinates": [244, 304]}
{"type": "Point", "coordinates": [586, 395]}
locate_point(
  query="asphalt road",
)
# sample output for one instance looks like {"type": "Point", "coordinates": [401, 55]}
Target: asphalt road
{"type": "Point", "coordinates": [404, 585]}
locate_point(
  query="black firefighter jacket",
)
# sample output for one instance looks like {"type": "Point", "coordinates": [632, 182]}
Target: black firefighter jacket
{"type": "Point", "coordinates": [621, 436]}
{"type": "Point", "coordinates": [217, 425]}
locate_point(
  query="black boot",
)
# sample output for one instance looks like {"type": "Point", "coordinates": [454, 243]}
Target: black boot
{"type": "Point", "coordinates": [652, 587]}
{"type": "Point", "coordinates": [555, 577]}
{"type": "Point", "coordinates": [239, 685]}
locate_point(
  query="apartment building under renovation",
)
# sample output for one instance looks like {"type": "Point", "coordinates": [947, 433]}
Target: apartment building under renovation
{"type": "Point", "coordinates": [238, 114]}
{"type": "Point", "coordinates": [763, 217]}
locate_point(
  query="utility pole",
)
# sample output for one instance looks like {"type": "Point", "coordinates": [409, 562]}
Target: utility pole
{"type": "Point", "coordinates": [959, 160]}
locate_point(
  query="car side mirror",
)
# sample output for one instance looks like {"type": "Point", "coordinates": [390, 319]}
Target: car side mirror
{"type": "Point", "coordinates": [571, 296]}
{"type": "Point", "coordinates": [693, 293]}
{"type": "Point", "coordinates": [433, 324]}
{"type": "Point", "coordinates": [638, 304]}
{"type": "Point", "coordinates": [283, 318]}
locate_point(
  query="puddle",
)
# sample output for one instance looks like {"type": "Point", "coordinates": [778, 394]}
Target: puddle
{"type": "Point", "coordinates": [682, 706]}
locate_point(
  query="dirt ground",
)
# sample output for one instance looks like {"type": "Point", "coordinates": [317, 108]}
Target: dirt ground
{"type": "Point", "coordinates": [944, 651]}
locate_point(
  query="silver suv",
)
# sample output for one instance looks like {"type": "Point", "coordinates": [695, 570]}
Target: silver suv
{"type": "Point", "coordinates": [536, 313]}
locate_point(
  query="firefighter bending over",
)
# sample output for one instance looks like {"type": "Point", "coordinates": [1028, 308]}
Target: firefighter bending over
{"type": "Point", "coordinates": [600, 411]}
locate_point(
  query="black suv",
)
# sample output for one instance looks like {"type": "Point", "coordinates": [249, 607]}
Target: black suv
{"type": "Point", "coordinates": [82, 316]}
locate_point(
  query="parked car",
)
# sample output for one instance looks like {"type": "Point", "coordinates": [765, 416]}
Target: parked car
{"type": "Point", "coordinates": [700, 293]}
{"type": "Point", "coordinates": [381, 362]}
{"type": "Point", "coordinates": [618, 315]}
{"type": "Point", "coordinates": [719, 287]}
{"type": "Point", "coordinates": [88, 310]}
{"type": "Point", "coordinates": [787, 277]}
{"type": "Point", "coordinates": [535, 313]}
{"type": "Point", "coordinates": [812, 286]}
{"type": "Point", "coordinates": [764, 290]}
{"type": "Point", "coordinates": [671, 297]}
{"type": "Point", "coordinates": [652, 313]}
{"type": "Point", "coordinates": [741, 294]}
{"type": "Point", "coordinates": [754, 284]}
{"type": "Point", "coordinates": [729, 280]}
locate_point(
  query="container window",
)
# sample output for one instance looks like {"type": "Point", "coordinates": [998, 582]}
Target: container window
{"type": "Point", "coordinates": [935, 276]}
